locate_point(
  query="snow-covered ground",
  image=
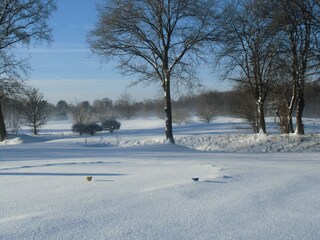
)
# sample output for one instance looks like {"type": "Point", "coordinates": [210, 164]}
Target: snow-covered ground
{"type": "Point", "coordinates": [250, 186]}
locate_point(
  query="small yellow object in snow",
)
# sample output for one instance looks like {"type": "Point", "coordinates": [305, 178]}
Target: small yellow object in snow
{"type": "Point", "coordinates": [89, 178]}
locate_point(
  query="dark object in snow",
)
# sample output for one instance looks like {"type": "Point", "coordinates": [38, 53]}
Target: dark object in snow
{"type": "Point", "coordinates": [196, 179]}
{"type": "Point", "coordinates": [89, 178]}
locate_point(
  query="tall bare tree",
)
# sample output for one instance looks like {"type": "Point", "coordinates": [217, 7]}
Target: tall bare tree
{"type": "Point", "coordinates": [21, 23]}
{"type": "Point", "coordinates": [249, 46]}
{"type": "Point", "coordinates": [160, 40]}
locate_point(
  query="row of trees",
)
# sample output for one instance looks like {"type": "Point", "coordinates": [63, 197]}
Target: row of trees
{"type": "Point", "coordinates": [31, 109]}
{"type": "Point", "coordinates": [206, 105]}
{"type": "Point", "coordinates": [269, 48]}
{"type": "Point", "coordinates": [83, 112]}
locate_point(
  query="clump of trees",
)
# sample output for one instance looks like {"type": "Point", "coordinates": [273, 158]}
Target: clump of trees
{"type": "Point", "coordinates": [87, 116]}
{"type": "Point", "coordinates": [270, 49]}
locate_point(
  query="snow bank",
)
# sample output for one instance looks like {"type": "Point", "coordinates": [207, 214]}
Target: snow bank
{"type": "Point", "coordinates": [253, 143]}
{"type": "Point", "coordinates": [22, 138]}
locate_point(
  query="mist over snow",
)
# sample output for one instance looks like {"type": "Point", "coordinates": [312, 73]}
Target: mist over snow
{"type": "Point", "coordinates": [250, 186]}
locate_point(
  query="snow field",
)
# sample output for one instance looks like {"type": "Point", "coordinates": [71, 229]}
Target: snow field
{"type": "Point", "coordinates": [142, 188]}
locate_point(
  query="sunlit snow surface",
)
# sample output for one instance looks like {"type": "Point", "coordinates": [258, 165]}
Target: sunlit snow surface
{"type": "Point", "coordinates": [250, 186]}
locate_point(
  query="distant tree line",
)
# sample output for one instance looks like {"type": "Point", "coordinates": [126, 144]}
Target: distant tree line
{"type": "Point", "coordinates": [31, 109]}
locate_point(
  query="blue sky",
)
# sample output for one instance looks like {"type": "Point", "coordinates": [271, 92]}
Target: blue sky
{"type": "Point", "coordinates": [67, 70]}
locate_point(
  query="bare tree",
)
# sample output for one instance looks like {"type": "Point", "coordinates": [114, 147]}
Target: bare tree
{"type": "Point", "coordinates": [125, 105]}
{"type": "Point", "coordinates": [103, 108]}
{"type": "Point", "coordinates": [21, 23]}
{"type": "Point", "coordinates": [297, 20]}
{"type": "Point", "coordinates": [180, 114]}
{"type": "Point", "coordinates": [249, 48]}
{"type": "Point", "coordinates": [13, 114]}
{"type": "Point", "coordinates": [84, 113]}
{"type": "Point", "coordinates": [160, 40]}
{"type": "Point", "coordinates": [209, 104]}
{"type": "Point", "coordinates": [9, 87]}
{"type": "Point", "coordinates": [35, 109]}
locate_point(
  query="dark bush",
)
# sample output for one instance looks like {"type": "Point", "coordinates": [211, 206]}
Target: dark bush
{"type": "Point", "coordinates": [79, 128]}
{"type": "Point", "coordinates": [92, 128]}
{"type": "Point", "coordinates": [111, 125]}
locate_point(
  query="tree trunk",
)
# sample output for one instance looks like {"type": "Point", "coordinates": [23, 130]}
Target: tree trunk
{"type": "Point", "coordinates": [284, 113]}
{"type": "Point", "coordinates": [289, 124]}
{"type": "Point", "coordinates": [168, 110]}
{"type": "Point", "coordinates": [292, 104]}
{"type": "Point", "coordinates": [3, 132]}
{"type": "Point", "coordinates": [261, 120]}
{"type": "Point", "coordinates": [286, 117]}
{"type": "Point", "coordinates": [35, 132]}
{"type": "Point", "coordinates": [300, 108]}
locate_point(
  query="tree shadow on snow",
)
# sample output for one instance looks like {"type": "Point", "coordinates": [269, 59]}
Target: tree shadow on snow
{"type": "Point", "coordinates": [211, 181]}
{"type": "Point", "coordinates": [218, 181]}
{"type": "Point", "coordinates": [103, 180]}
{"type": "Point", "coordinates": [60, 174]}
